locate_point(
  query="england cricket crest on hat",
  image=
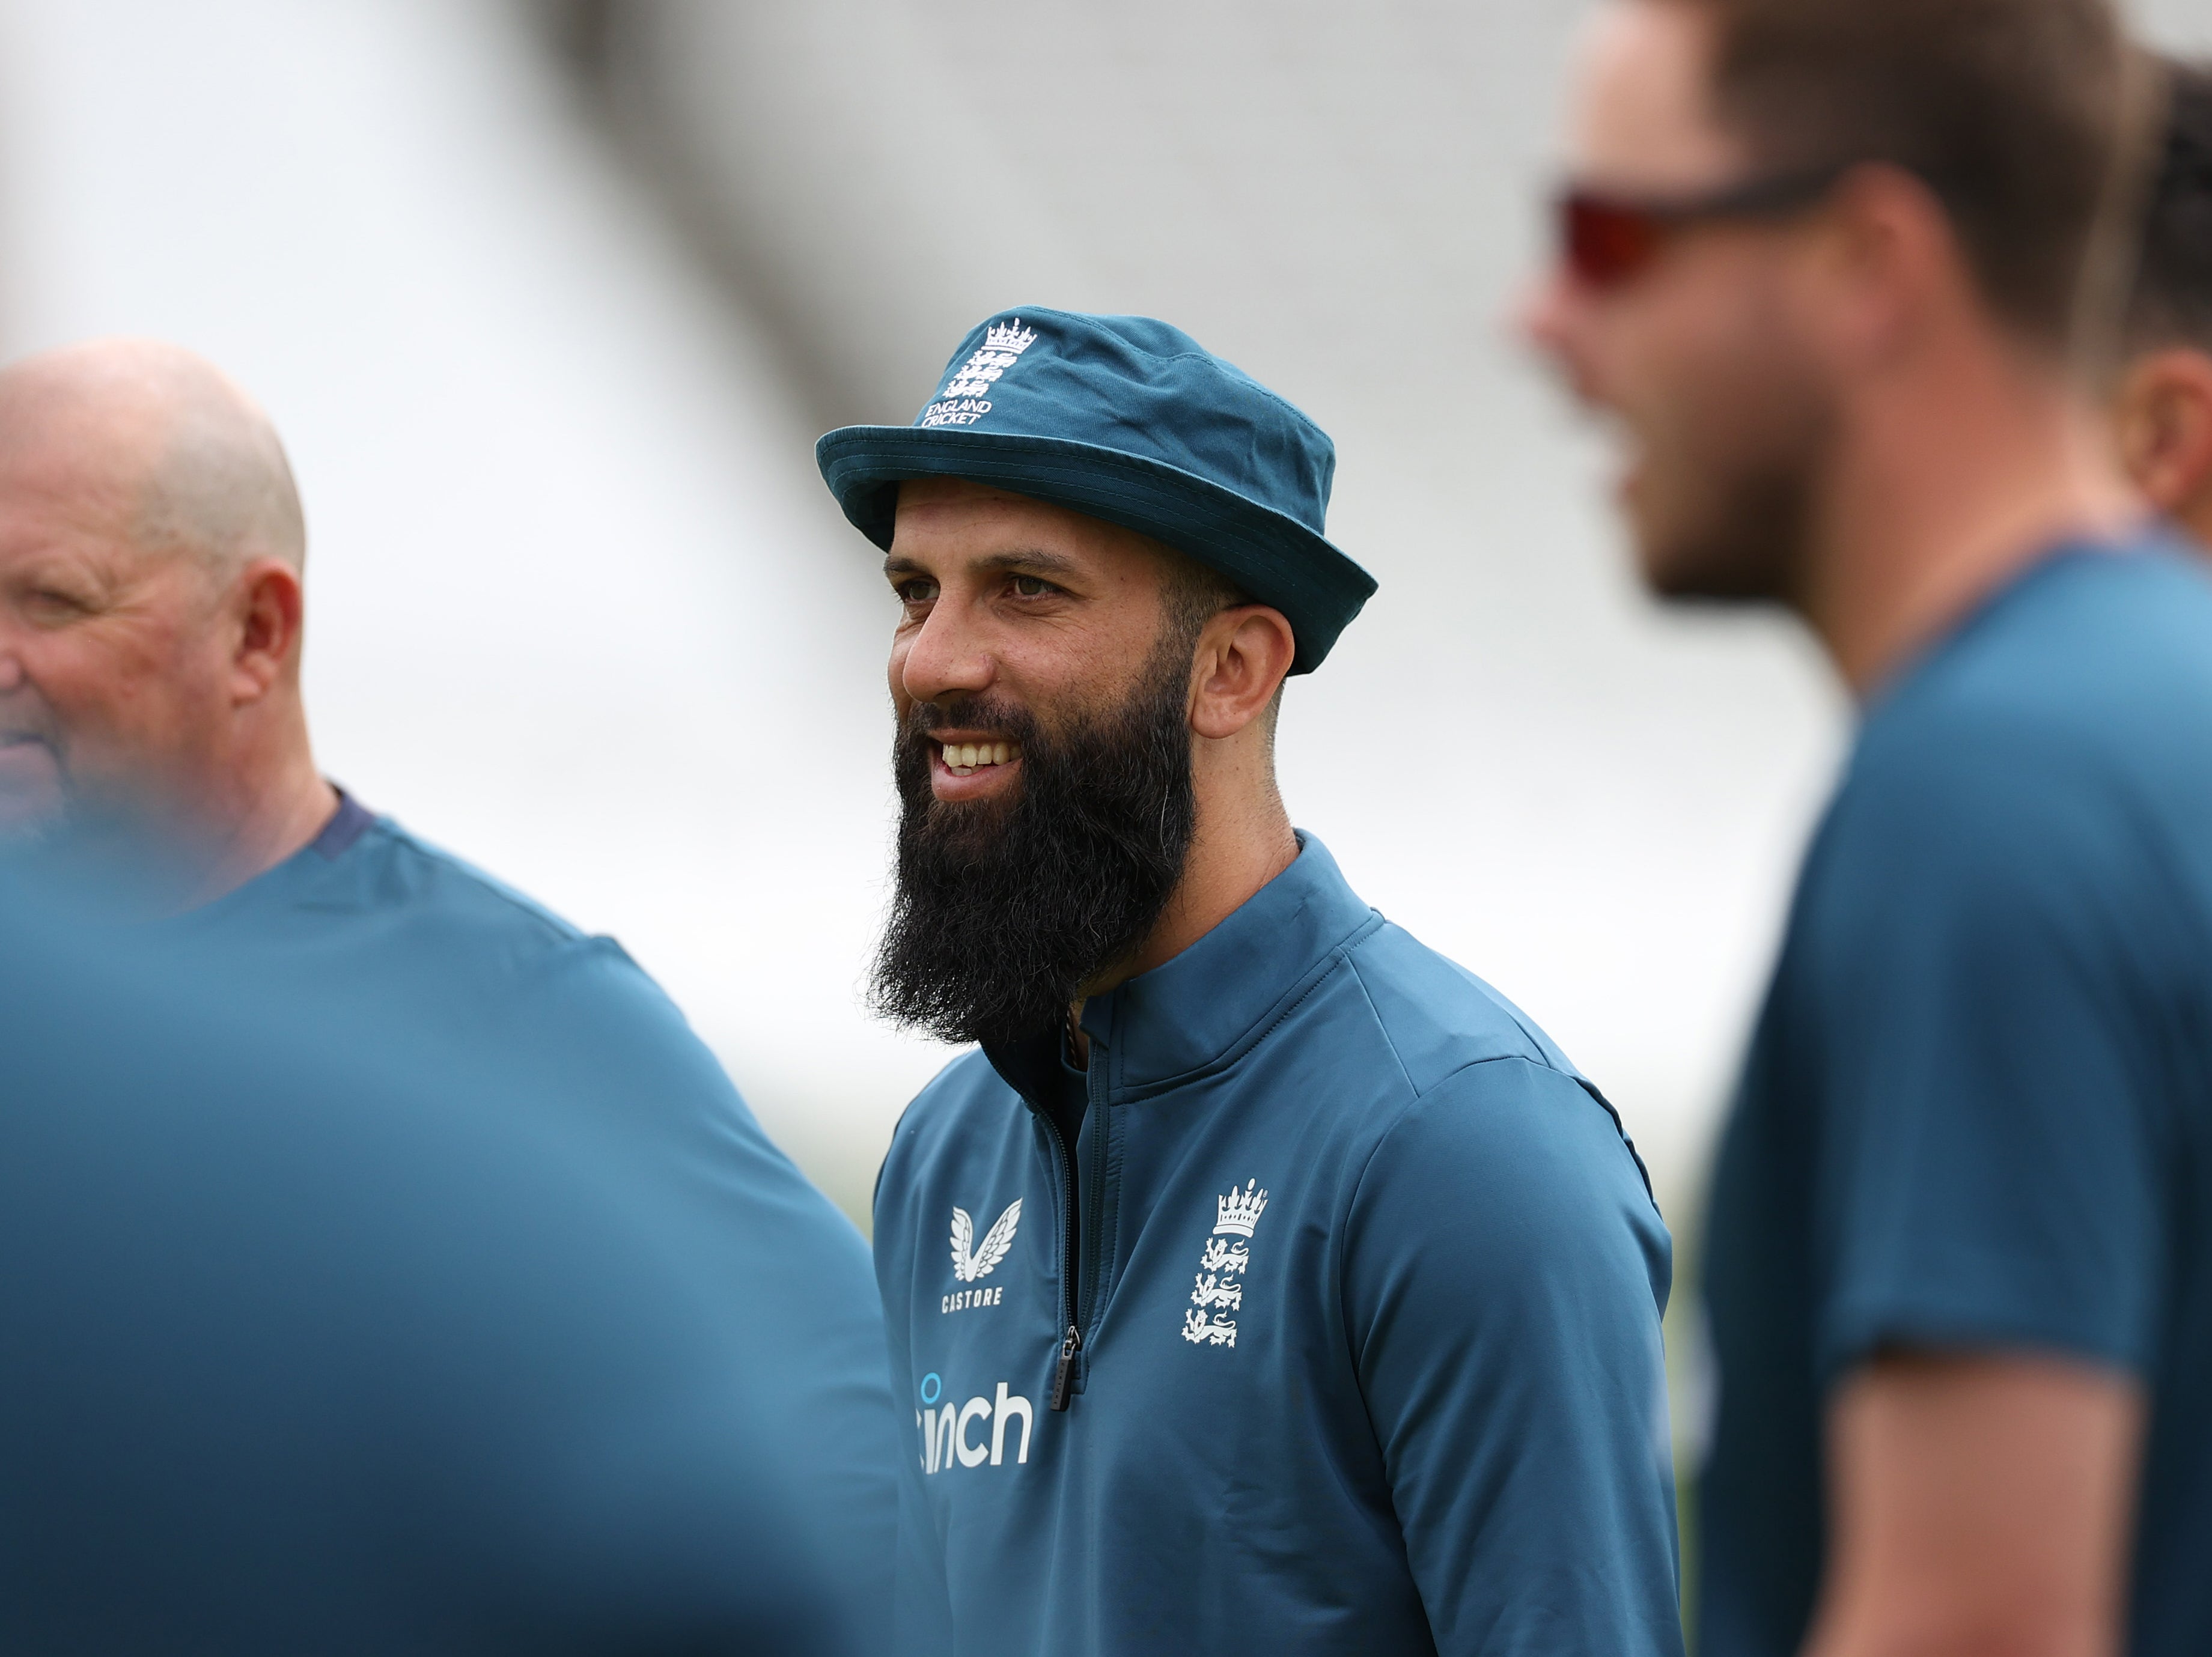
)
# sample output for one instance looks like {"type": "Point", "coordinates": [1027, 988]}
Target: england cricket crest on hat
{"type": "Point", "coordinates": [1220, 1283]}
{"type": "Point", "coordinates": [966, 397]}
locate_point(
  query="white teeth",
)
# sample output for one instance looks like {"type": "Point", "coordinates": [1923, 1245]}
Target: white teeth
{"type": "Point", "coordinates": [963, 758]}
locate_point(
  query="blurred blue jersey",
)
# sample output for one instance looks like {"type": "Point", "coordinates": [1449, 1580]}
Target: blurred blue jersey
{"type": "Point", "coordinates": [320, 1333]}
{"type": "Point", "coordinates": [420, 943]}
{"type": "Point", "coordinates": [1350, 1288]}
{"type": "Point", "coordinates": [1978, 1110]}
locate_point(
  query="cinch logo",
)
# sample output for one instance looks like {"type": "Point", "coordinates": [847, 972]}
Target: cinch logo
{"type": "Point", "coordinates": [947, 1431]}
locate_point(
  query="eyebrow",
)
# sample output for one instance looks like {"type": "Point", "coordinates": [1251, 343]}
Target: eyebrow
{"type": "Point", "coordinates": [1021, 560]}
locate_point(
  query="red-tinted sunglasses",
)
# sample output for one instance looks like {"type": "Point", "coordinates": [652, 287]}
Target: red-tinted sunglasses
{"type": "Point", "coordinates": [1607, 241]}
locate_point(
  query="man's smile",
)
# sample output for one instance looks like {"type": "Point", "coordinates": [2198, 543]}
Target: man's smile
{"type": "Point", "coordinates": [962, 758]}
{"type": "Point", "coordinates": [968, 765]}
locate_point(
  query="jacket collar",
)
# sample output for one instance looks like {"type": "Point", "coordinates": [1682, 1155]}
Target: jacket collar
{"type": "Point", "coordinates": [1200, 1011]}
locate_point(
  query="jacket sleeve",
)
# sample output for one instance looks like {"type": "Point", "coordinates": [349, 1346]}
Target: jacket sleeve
{"type": "Point", "coordinates": [1504, 1274]}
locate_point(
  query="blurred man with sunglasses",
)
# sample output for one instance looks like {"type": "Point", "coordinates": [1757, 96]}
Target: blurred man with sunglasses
{"type": "Point", "coordinates": [2163, 405]}
{"type": "Point", "coordinates": [1844, 272]}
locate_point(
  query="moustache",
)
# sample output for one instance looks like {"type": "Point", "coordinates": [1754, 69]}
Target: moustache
{"type": "Point", "coordinates": [970, 714]}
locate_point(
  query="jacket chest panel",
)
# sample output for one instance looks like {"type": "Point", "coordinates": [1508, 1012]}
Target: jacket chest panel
{"type": "Point", "coordinates": [1212, 1329]}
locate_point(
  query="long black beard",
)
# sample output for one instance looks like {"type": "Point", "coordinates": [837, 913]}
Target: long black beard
{"type": "Point", "coordinates": [1005, 909]}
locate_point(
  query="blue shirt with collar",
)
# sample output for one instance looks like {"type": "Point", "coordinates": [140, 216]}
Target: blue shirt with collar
{"type": "Point", "coordinates": [1356, 1326]}
{"type": "Point", "coordinates": [438, 952]}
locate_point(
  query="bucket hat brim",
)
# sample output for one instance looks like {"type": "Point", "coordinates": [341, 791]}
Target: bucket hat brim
{"type": "Point", "coordinates": [1277, 559]}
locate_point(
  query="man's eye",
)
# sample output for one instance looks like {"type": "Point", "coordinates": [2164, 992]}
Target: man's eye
{"type": "Point", "coordinates": [1031, 586]}
{"type": "Point", "coordinates": [52, 604]}
{"type": "Point", "coordinates": [915, 593]}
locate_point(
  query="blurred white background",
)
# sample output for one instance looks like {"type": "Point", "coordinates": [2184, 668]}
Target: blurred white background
{"type": "Point", "coordinates": [551, 300]}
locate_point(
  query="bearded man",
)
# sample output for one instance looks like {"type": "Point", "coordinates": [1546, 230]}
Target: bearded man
{"type": "Point", "coordinates": [1265, 1281]}
{"type": "Point", "coordinates": [1849, 273]}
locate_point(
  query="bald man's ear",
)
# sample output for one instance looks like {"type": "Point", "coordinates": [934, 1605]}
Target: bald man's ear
{"type": "Point", "coordinates": [267, 610]}
{"type": "Point", "coordinates": [2164, 416]}
{"type": "Point", "coordinates": [1242, 655]}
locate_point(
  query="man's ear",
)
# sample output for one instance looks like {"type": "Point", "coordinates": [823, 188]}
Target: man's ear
{"type": "Point", "coordinates": [1886, 259]}
{"type": "Point", "coordinates": [267, 608]}
{"type": "Point", "coordinates": [1242, 656]}
{"type": "Point", "coordinates": [2163, 417]}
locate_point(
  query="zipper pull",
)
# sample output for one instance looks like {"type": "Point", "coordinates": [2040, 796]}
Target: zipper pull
{"type": "Point", "coordinates": [1065, 1375]}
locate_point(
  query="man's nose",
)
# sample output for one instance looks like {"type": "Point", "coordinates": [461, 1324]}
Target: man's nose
{"type": "Point", "coordinates": [947, 656]}
{"type": "Point", "coordinates": [1540, 315]}
{"type": "Point", "coordinates": [1553, 317]}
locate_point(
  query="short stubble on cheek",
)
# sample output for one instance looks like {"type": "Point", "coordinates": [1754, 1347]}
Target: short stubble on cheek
{"type": "Point", "coordinates": [1735, 458]}
{"type": "Point", "coordinates": [142, 696]}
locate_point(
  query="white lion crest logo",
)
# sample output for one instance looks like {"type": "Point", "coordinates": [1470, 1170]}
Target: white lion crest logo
{"type": "Point", "coordinates": [967, 1266]}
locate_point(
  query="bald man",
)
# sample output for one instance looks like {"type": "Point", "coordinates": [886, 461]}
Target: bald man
{"type": "Point", "coordinates": [151, 545]}
{"type": "Point", "coordinates": [151, 609]}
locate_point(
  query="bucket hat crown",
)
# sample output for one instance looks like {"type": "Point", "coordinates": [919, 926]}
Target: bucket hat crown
{"type": "Point", "coordinates": [1129, 420]}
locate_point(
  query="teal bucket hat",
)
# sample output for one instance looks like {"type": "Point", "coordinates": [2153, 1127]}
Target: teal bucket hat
{"type": "Point", "coordinates": [1132, 420]}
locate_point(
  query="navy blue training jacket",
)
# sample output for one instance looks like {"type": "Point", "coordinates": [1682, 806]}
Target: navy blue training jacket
{"type": "Point", "coordinates": [1356, 1328]}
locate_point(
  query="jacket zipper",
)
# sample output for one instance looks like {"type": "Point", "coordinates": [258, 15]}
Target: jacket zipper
{"type": "Point", "coordinates": [1084, 1219]}
{"type": "Point", "coordinates": [1063, 1374]}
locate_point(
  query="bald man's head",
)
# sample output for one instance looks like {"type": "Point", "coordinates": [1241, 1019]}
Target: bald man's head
{"type": "Point", "coordinates": [151, 545]}
{"type": "Point", "coordinates": [162, 442]}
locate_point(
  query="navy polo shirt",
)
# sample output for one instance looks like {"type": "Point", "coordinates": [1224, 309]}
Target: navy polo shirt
{"type": "Point", "coordinates": [1976, 1114]}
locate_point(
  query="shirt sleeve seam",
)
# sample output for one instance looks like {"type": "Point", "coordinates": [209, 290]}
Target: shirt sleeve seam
{"type": "Point", "coordinates": [1366, 1166]}
{"type": "Point", "coordinates": [557, 929]}
{"type": "Point", "coordinates": [1382, 1028]}
{"type": "Point", "coordinates": [1861, 1325]}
